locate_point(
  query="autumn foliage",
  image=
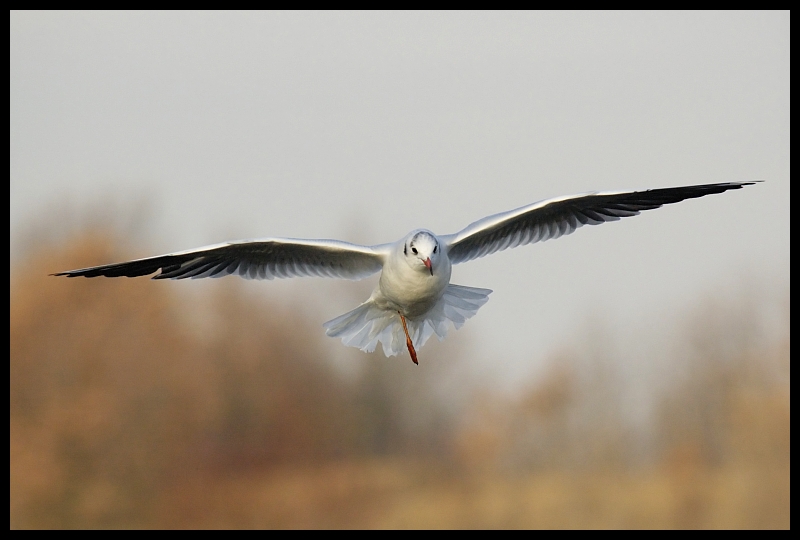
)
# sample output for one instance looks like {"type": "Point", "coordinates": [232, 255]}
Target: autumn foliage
{"type": "Point", "coordinates": [135, 405]}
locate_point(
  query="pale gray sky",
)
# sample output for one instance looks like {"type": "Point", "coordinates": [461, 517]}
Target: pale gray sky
{"type": "Point", "coordinates": [363, 126]}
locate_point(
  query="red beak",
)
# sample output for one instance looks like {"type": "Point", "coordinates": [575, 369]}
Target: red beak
{"type": "Point", "coordinates": [428, 264]}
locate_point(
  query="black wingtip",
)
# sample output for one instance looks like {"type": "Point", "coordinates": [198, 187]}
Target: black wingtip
{"type": "Point", "coordinates": [67, 274]}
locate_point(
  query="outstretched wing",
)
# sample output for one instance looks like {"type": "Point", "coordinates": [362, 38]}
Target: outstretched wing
{"type": "Point", "coordinates": [265, 258]}
{"type": "Point", "coordinates": [552, 218]}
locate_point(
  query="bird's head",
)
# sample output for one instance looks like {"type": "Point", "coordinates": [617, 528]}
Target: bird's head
{"type": "Point", "coordinates": [422, 251]}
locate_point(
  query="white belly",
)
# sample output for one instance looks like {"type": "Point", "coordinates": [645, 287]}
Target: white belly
{"type": "Point", "coordinates": [411, 292]}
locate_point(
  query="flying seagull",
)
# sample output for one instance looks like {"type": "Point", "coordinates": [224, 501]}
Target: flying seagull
{"type": "Point", "coordinates": [414, 297]}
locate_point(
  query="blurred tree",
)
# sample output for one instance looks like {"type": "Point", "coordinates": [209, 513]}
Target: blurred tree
{"type": "Point", "coordinates": [124, 414]}
{"type": "Point", "coordinates": [102, 374]}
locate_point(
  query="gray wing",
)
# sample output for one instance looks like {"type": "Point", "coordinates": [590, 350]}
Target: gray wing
{"type": "Point", "coordinates": [552, 218]}
{"type": "Point", "coordinates": [265, 258]}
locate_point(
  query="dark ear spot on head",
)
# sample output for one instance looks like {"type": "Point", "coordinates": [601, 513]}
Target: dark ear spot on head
{"type": "Point", "coordinates": [405, 249]}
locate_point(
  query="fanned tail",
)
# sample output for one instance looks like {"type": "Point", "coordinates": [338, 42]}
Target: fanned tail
{"type": "Point", "coordinates": [367, 324]}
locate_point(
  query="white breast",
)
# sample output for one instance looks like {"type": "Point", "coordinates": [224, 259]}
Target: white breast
{"type": "Point", "coordinates": [411, 292]}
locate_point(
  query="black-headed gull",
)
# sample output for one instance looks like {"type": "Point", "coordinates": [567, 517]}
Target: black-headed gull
{"type": "Point", "coordinates": [414, 297]}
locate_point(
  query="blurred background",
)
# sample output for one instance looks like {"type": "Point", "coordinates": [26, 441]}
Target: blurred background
{"type": "Point", "coordinates": [630, 375]}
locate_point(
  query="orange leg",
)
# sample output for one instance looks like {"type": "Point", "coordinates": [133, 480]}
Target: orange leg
{"type": "Point", "coordinates": [409, 344]}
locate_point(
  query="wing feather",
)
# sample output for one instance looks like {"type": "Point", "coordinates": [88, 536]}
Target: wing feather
{"type": "Point", "coordinates": [560, 216]}
{"type": "Point", "coordinates": [265, 258]}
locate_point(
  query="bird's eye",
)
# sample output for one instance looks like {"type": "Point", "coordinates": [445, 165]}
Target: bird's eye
{"type": "Point", "coordinates": [434, 248]}
{"type": "Point", "coordinates": [414, 250]}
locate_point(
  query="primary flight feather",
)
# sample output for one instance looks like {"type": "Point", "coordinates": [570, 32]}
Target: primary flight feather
{"type": "Point", "coordinates": [414, 297]}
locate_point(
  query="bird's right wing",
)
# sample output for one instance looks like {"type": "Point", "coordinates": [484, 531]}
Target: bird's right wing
{"type": "Point", "coordinates": [265, 258]}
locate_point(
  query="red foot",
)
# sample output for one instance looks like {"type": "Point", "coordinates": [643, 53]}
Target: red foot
{"type": "Point", "coordinates": [409, 344]}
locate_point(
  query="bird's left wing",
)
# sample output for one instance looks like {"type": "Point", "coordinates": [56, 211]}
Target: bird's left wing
{"type": "Point", "coordinates": [265, 258]}
{"type": "Point", "coordinates": [552, 218]}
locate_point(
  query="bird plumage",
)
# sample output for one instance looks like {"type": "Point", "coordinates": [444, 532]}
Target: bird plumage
{"type": "Point", "coordinates": [414, 287]}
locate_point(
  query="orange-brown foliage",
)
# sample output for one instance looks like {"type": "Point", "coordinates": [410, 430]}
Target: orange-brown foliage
{"type": "Point", "coordinates": [122, 415]}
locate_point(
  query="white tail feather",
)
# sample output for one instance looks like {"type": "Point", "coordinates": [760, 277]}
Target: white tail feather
{"type": "Point", "coordinates": [367, 325]}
